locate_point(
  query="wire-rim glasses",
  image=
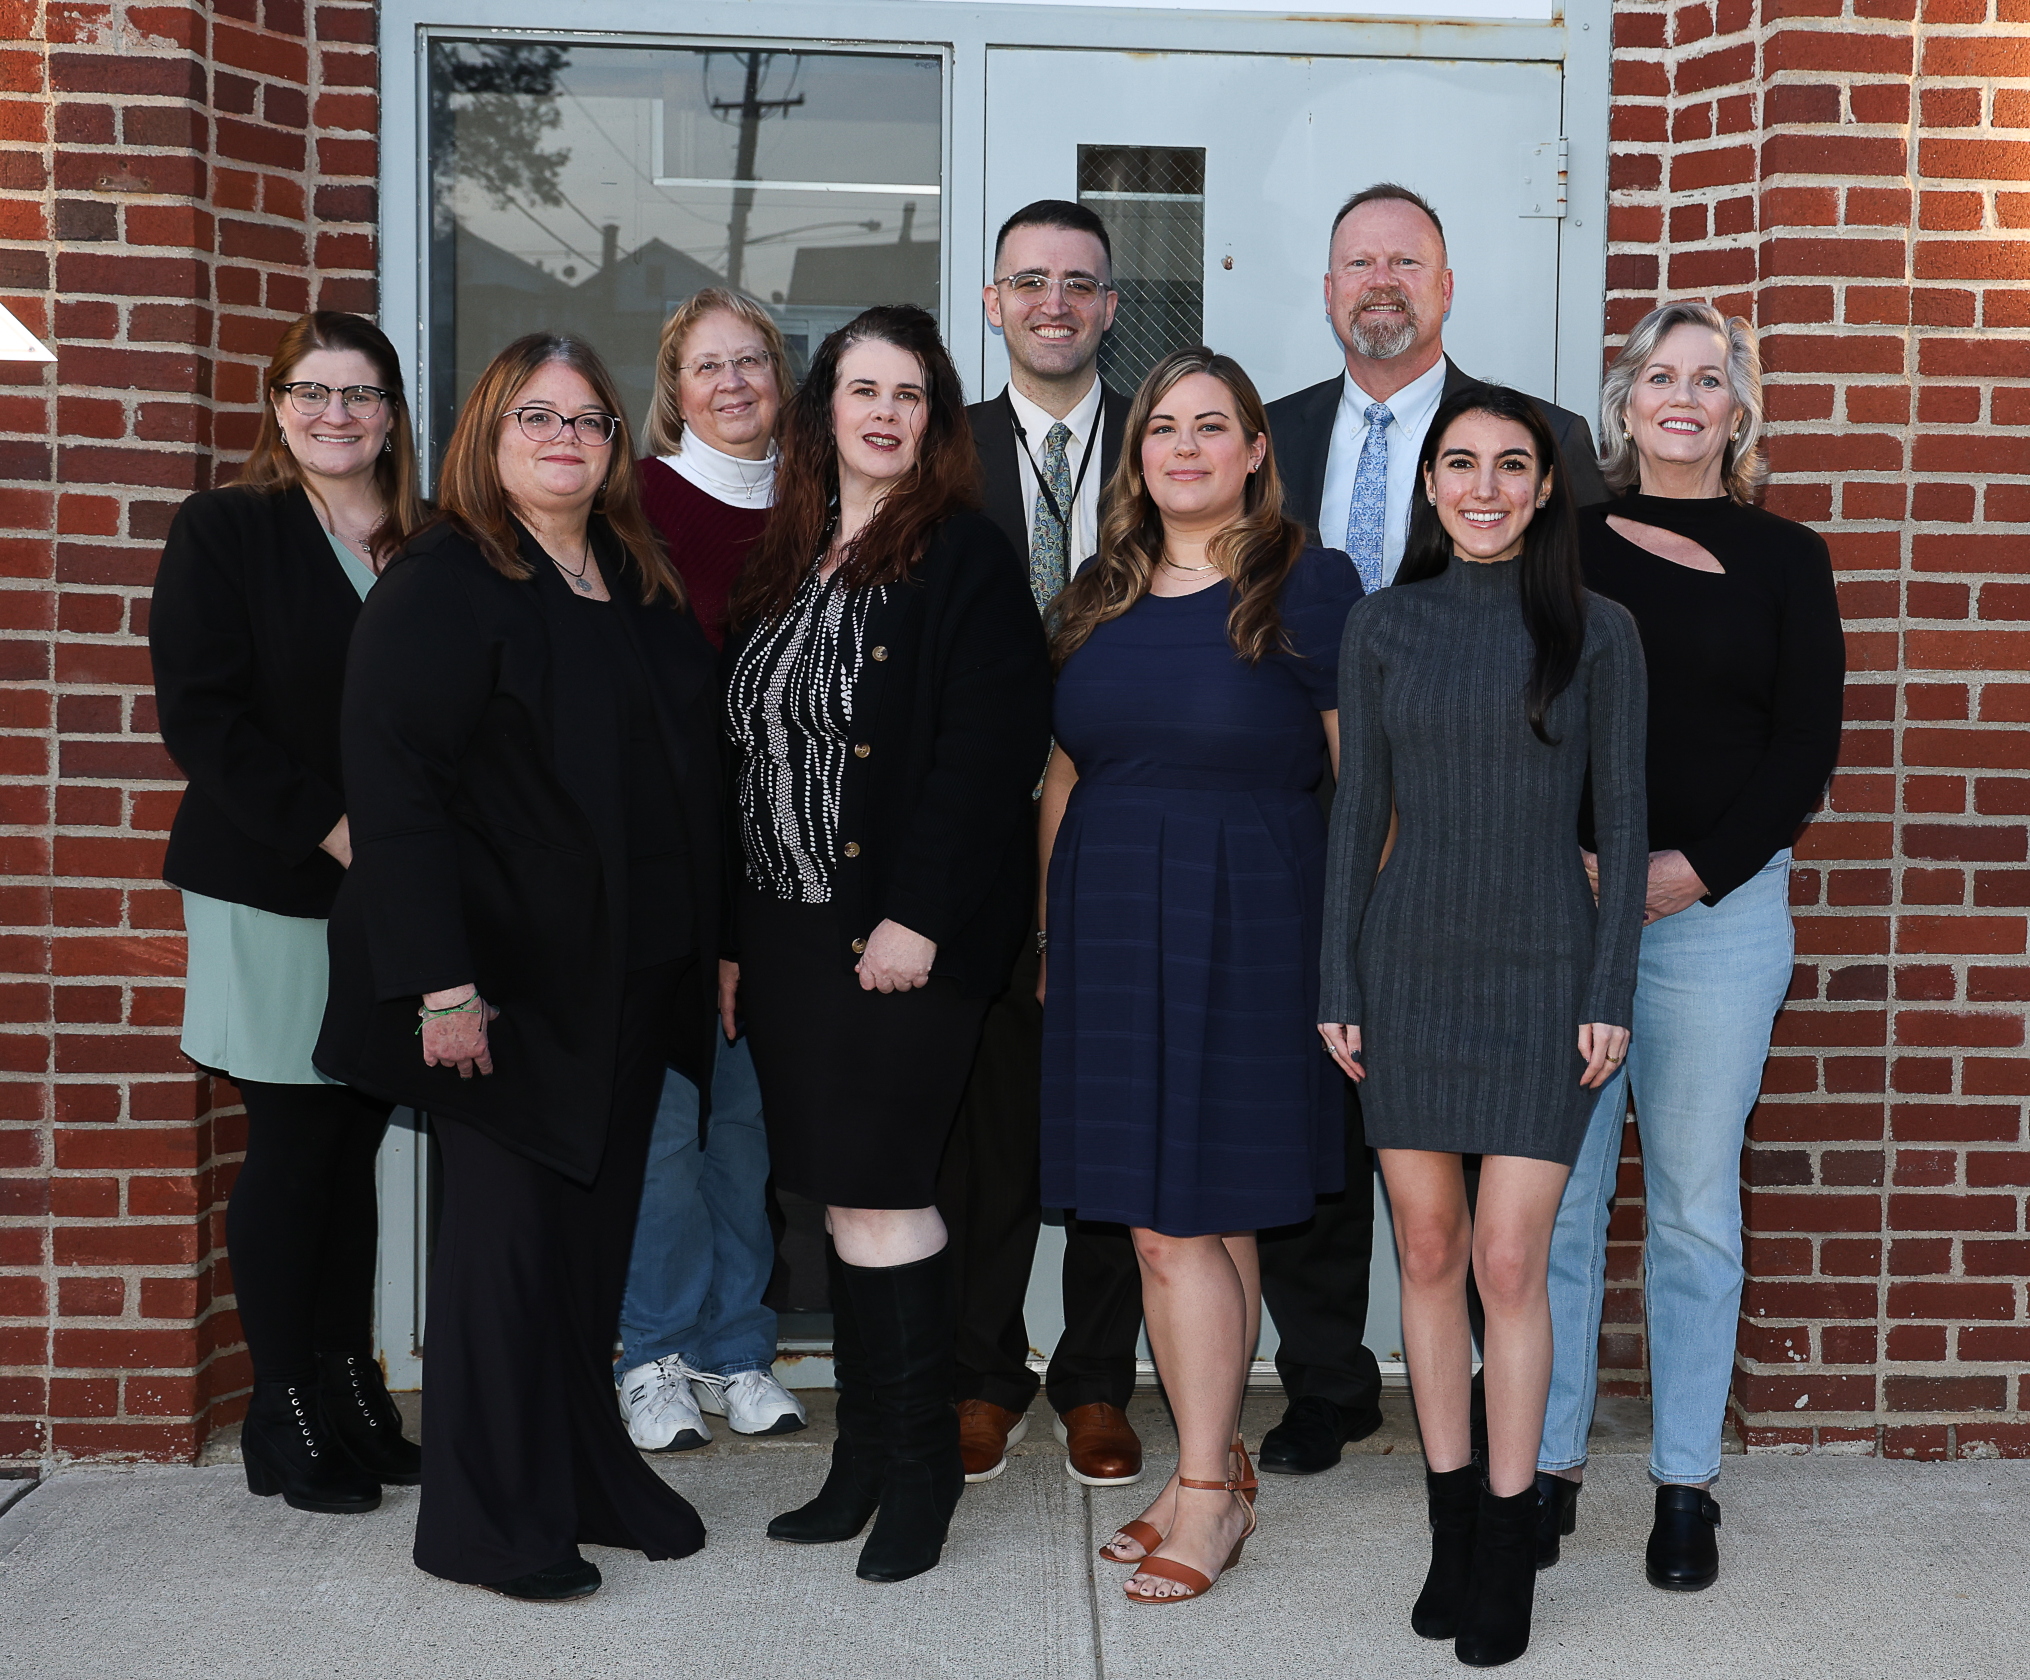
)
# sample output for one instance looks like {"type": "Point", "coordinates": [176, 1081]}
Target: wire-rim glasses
{"type": "Point", "coordinates": [546, 425]}
{"type": "Point", "coordinates": [310, 398]}
{"type": "Point", "coordinates": [748, 366]}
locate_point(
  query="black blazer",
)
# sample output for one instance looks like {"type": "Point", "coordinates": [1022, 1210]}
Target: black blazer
{"type": "Point", "coordinates": [952, 707]}
{"type": "Point", "coordinates": [483, 755]}
{"type": "Point", "coordinates": [993, 424]}
{"type": "Point", "coordinates": [1300, 426]}
{"type": "Point", "coordinates": [248, 633]}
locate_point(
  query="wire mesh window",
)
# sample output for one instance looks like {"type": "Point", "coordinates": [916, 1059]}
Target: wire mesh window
{"type": "Point", "coordinates": [1152, 199]}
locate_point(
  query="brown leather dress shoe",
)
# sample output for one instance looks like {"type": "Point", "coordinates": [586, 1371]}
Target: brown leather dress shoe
{"type": "Point", "coordinates": [986, 1432]}
{"type": "Point", "coordinates": [1103, 1449]}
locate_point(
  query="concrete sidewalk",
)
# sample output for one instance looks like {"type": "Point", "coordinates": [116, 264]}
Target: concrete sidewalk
{"type": "Point", "coordinates": [1857, 1569]}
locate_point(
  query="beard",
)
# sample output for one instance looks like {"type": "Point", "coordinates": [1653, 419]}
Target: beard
{"type": "Point", "coordinates": [1381, 341]}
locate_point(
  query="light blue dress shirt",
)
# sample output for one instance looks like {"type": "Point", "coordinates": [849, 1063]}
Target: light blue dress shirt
{"type": "Point", "coordinates": [1412, 408]}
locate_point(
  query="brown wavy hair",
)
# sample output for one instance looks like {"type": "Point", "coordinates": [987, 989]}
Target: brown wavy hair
{"type": "Point", "coordinates": [1257, 551]}
{"type": "Point", "coordinates": [469, 490]}
{"type": "Point", "coordinates": [271, 468]}
{"type": "Point", "coordinates": [664, 430]}
{"type": "Point", "coordinates": [946, 479]}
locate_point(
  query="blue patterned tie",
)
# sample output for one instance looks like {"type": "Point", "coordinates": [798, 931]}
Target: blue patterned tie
{"type": "Point", "coordinates": [1367, 516]}
{"type": "Point", "coordinates": [1046, 537]}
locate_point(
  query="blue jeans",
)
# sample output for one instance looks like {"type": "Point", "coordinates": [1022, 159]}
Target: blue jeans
{"type": "Point", "coordinates": [702, 1247]}
{"type": "Point", "coordinates": [1708, 987]}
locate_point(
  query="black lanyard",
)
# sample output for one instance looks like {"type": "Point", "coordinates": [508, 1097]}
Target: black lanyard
{"type": "Point", "coordinates": [1062, 516]}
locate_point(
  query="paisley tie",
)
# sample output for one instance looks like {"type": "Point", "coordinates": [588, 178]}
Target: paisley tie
{"type": "Point", "coordinates": [1367, 515]}
{"type": "Point", "coordinates": [1047, 573]}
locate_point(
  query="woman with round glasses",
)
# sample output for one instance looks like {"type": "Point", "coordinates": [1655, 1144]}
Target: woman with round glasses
{"type": "Point", "coordinates": [255, 601]}
{"type": "Point", "coordinates": [693, 1331]}
{"type": "Point", "coordinates": [531, 738]}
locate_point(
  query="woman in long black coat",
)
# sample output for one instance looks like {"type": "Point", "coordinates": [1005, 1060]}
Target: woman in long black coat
{"type": "Point", "coordinates": [530, 740]}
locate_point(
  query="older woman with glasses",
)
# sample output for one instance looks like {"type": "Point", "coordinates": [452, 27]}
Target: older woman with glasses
{"type": "Point", "coordinates": [525, 941]}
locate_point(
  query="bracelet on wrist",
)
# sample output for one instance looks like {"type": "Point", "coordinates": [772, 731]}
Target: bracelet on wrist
{"type": "Point", "coordinates": [429, 1014]}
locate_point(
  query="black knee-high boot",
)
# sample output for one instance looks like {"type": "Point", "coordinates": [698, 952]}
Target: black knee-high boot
{"type": "Point", "coordinates": [1494, 1627]}
{"type": "Point", "coordinates": [853, 1486]}
{"type": "Point", "coordinates": [1454, 1500]}
{"type": "Point", "coordinates": [905, 1315]}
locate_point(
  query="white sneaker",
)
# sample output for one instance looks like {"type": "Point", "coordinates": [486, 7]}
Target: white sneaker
{"type": "Point", "coordinates": [655, 1399]}
{"type": "Point", "coordinates": [753, 1402]}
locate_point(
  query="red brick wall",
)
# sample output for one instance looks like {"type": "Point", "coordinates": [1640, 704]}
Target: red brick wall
{"type": "Point", "coordinates": [1849, 174]}
{"type": "Point", "coordinates": [175, 181]}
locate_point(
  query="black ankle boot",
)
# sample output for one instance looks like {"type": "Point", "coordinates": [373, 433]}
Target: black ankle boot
{"type": "Point", "coordinates": [905, 1314]}
{"type": "Point", "coordinates": [364, 1420]}
{"type": "Point", "coordinates": [1558, 1516]}
{"type": "Point", "coordinates": [1684, 1552]}
{"type": "Point", "coordinates": [1454, 1500]}
{"type": "Point", "coordinates": [288, 1448]}
{"type": "Point", "coordinates": [1494, 1627]}
{"type": "Point", "coordinates": [852, 1488]}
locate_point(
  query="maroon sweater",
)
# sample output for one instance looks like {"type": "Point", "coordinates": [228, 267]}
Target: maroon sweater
{"type": "Point", "coordinates": [708, 541]}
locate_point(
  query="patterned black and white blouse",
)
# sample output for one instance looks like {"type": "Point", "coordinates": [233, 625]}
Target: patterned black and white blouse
{"type": "Point", "coordinates": [790, 712]}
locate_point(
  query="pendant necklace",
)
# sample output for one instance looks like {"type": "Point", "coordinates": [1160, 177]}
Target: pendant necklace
{"type": "Point", "coordinates": [579, 581]}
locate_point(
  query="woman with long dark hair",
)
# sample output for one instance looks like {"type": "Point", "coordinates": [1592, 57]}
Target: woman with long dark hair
{"type": "Point", "coordinates": [259, 588]}
{"type": "Point", "coordinates": [525, 941]}
{"type": "Point", "coordinates": [1472, 986]}
{"type": "Point", "coordinates": [889, 708]}
{"type": "Point", "coordinates": [1183, 1092]}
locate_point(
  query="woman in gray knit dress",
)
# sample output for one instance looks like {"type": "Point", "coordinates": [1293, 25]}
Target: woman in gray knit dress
{"type": "Point", "coordinates": [1472, 986]}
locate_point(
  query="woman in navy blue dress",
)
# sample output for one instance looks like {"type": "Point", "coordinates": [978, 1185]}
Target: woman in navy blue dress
{"type": "Point", "coordinates": [1183, 1093]}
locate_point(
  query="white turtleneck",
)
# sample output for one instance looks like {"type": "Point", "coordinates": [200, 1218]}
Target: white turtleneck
{"type": "Point", "coordinates": [726, 478]}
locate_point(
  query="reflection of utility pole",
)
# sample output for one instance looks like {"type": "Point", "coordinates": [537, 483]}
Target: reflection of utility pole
{"type": "Point", "coordinates": [752, 108]}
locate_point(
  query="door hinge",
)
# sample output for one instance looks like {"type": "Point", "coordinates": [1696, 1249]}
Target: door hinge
{"type": "Point", "coordinates": [1544, 168]}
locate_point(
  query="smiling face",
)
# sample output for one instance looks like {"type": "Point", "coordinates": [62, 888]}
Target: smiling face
{"type": "Point", "coordinates": [1487, 484]}
{"type": "Point", "coordinates": [1387, 287]}
{"type": "Point", "coordinates": [728, 410]}
{"type": "Point", "coordinates": [1681, 410]}
{"type": "Point", "coordinates": [334, 444]}
{"type": "Point", "coordinates": [1195, 456]}
{"type": "Point", "coordinates": [880, 407]}
{"type": "Point", "coordinates": [1053, 338]}
{"type": "Point", "coordinates": [557, 479]}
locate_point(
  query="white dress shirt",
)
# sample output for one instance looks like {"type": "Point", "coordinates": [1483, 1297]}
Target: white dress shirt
{"type": "Point", "coordinates": [1410, 409]}
{"type": "Point", "coordinates": [1083, 423]}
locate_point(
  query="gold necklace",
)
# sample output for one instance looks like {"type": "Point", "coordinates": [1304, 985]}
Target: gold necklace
{"type": "Point", "coordinates": [1173, 565]}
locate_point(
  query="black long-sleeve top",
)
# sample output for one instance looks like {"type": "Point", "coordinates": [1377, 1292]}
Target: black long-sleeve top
{"type": "Point", "coordinates": [1746, 672]}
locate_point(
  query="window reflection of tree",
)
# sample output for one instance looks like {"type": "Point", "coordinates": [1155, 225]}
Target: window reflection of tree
{"type": "Point", "coordinates": [492, 104]}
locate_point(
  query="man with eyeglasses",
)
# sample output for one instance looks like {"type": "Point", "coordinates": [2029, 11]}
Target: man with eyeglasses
{"type": "Point", "coordinates": [1047, 443]}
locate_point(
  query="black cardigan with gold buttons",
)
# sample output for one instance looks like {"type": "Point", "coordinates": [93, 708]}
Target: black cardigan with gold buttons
{"type": "Point", "coordinates": [951, 727]}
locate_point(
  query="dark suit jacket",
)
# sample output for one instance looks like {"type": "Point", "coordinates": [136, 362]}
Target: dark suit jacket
{"type": "Point", "coordinates": [248, 633]}
{"type": "Point", "coordinates": [993, 425]}
{"type": "Point", "coordinates": [482, 754]}
{"type": "Point", "coordinates": [1300, 426]}
{"type": "Point", "coordinates": [951, 726]}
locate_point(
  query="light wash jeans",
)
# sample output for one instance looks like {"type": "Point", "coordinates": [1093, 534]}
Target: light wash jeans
{"type": "Point", "coordinates": [1709, 984]}
{"type": "Point", "coordinates": [702, 1247]}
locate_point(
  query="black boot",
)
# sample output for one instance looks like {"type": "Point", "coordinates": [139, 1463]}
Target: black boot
{"type": "Point", "coordinates": [906, 1315]}
{"type": "Point", "coordinates": [1494, 1627]}
{"type": "Point", "coordinates": [1684, 1552]}
{"type": "Point", "coordinates": [364, 1420]}
{"type": "Point", "coordinates": [853, 1487]}
{"type": "Point", "coordinates": [1559, 1515]}
{"type": "Point", "coordinates": [288, 1448]}
{"type": "Point", "coordinates": [1454, 1499]}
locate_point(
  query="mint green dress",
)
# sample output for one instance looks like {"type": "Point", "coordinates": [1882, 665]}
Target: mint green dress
{"type": "Point", "coordinates": [254, 982]}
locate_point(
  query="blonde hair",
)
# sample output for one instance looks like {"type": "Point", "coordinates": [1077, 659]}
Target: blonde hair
{"type": "Point", "coordinates": [271, 468]}
{"type": "Point", "coordinates": [1742, 467]}
{"type": "Point", "coordinates": [665, 428]}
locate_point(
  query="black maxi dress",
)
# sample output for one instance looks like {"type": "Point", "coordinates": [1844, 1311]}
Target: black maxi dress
{"type": "Point", "coordinates": [536, 809]}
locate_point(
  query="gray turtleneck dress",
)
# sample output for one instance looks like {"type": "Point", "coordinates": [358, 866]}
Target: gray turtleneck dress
{"type": "Point", "coordinates": [1470, 962]}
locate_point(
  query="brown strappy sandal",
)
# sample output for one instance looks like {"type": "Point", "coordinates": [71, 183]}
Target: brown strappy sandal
{"type": "Point", "coordinates": [1145, 1535]}
{"type": "Point", "coordinates": [1168, 1569]}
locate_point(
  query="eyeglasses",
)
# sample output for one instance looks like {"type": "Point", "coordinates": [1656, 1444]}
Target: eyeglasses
{"type": "Point", "coordinates": [1081, 291]}
{"type": "Point", "coordinates": [546, 425]}
{"type": "Point", "coordinates": [310, 399]}
{"type": "Point", "coordinates": [746, 366]}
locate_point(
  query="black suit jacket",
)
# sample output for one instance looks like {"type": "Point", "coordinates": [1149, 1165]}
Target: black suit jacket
{"type": "Point", "coordinates": [993, 425]}
{"type": "Point", "coordinates": [482, 756]}
{"type": "Point", "coordinates": [951, 727]}
{"type": "Point", "coordinates": [1300, 426]}
{"type": "Point", "coordinates": [248, 634]}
